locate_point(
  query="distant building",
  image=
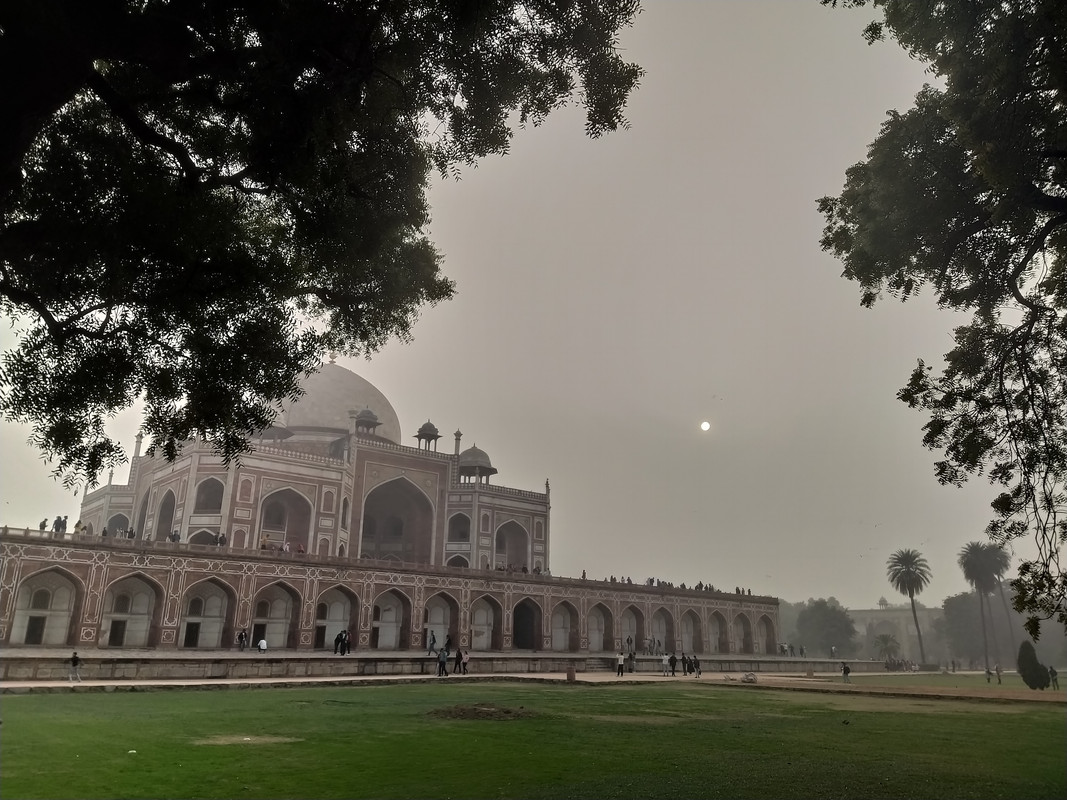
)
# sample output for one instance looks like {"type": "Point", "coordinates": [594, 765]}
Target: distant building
{"type": "Point", "coordinates": [898, 622]}
{"type": "Point", "coordinates": [333, 524]}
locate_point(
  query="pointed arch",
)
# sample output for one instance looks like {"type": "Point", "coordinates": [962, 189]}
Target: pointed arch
{"type": "Point", "coordinates": [526, 624]}
{"type": "Point", "coordinates": [459, 528]}
{"type": "Point", "coordinates": [632, 624]}
{"type": "Point", "coordinates": [203, 536]}
{"type": "Point", "coordinates": [719, 633]}
{"type": "Point", "coordinates": [209, 624]}
{"type": "Point", "coordinates": [164, 516]}
{"type": "Point", "coordinates": [440, 616]}
{"type": "Point", "coordinates": [692, 632]}
{"type": "Point", "coordinates": [600, 628]}
{"type": "Point", "coordinates": [487, 624]}
{"type": "Point", "coordinates": [457, 561]}
{"type": "Point", "coordinates": [566, 633]}
{"type": "Point", "coordinates": [403, 516]}
{"type": "Point", "coordinates": [117, 523]}
{"type": "Point", "coordinates": [512, 545]}
{"type": "Point", "coordinates": [48, 605]}
{"type": "Point", "coordinates": [209, 496]}
{"type": "Point", "coordinates": [663, 629]}
{"type": "Point", "coordinates": [391, 621]}
{"type": "Point", "coordinates": [743, 634]}
{"type": "Point", "coordinates": [767, 637]}
{"type": "Point", "coordinates": [132, 611]}
{"type": "Point", "coordinates": [337, 609]}
{"type": "Point", "coordinates": [285, 517]}
{"type": "Point", "coordinates": [276, 615]}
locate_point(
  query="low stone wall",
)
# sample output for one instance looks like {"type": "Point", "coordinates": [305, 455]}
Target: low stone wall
{"type": "Point", "coordinates": [106, 665]}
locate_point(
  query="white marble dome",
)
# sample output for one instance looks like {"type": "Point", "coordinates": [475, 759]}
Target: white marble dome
{"type": "Point", "coordinates": [330, 394]}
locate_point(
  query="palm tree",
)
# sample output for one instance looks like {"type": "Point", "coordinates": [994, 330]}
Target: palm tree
{"type": "Point", "coordinates": [1000, 561]}
{"type": "Point", "coordinates": [909, 573]}
{"type": "Point", "coordinates": [887, 645]}
{"type": "Point", "coordinates": [979, 564]}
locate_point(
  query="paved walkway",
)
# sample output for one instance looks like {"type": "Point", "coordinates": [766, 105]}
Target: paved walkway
{"type": "Point", "coordinates": [794, 682]}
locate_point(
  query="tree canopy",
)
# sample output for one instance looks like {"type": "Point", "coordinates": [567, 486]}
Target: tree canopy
{"type": "Point", "coordinates": [823, 624]}
{"type": "Point", "coordinates": [965, 195]}
{"type": "Point", "coordinates": [200, 199]}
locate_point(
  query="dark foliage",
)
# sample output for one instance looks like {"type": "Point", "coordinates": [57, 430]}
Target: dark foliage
{"type": "Point", "coordinates": [1035, 674]}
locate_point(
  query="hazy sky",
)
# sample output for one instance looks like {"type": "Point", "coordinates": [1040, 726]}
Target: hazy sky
{"type": "Point", "coordinates": [614, 294]}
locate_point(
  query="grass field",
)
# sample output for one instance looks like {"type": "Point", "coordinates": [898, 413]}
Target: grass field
{"type": "Point", "coordinates": [480, 740]}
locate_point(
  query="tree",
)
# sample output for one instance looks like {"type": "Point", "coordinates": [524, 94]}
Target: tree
{"type": "Point", "coordinates": [965, 194]}
{"type": "Point", "coordinates": [199, 200]}
{"type": "Point", "coordinates": [979, 563]}
{"type": "Point", "coordinates": [1034, 673]}
{"type": "Point", "coordinates": [823, 624]}
{"type": "Point", "coordinates": [887, 645]}
{"type": "Point", "coordinates": [909, 574]}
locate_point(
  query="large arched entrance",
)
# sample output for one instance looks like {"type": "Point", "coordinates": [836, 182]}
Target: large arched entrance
{"type": "Point", "coordinates": [719, 633]}
{"type": "Point", "coordinates": [165, 517]}
{"type": "Point", "coordinates": [565, 631]}
{"type": "Point", "coordinates": [743, 634]}
{"type": "Point", "coordinates": [397, 523]}
{"type": "Point", "coordinates": [391, 621]}
{"type": "Point", "coordinates": [663, 631]}
{"type": "Point", "coordinates": [209, 497]}
{"type": "Point", "coordinates": [207, 615]}
{"type": "Point", "coordinates": [512, 546]}
{"type": "Point", "coordinates": [633, 625]}
{"type": "Point", "coordinates": [526, 625]}
{"type": "Point", "coordinates": [117, 525]}
{"type": "Point", "coordinates": [600, 629]}
{"type": "Point", "coordinates": [132, 607]}
{"type": "Point", "coordinates": [692, 639]}
{"type": "Point", "coordinates": [486, 619]}
{"type": "Point", "coordinates": [285, 518]}
{"type": "Point", "coordinates": [441, 618]}
{"type": "Point", "coordinates": [766, 635]}
{"type": "Point", "coordinates": [276, 610]}
{"type": "Point", "coordinates": [337, 610]}
{"type": "Point", "coordinates": [44, 607]}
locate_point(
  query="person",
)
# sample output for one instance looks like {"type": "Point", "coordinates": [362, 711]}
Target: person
{"type": "Point", "coordinates": [242, 639]}
{"type": "Point", "coordinates": [621, 659]}
{"type": "Point", "coordinates": [666, 665]}
{"type": "Point", "coordinates": [44, 523]}
{"type": "Point", "coordinates": [457, 667]}
{"type": "Point", "coordinates": [448, 643]}
{"type": "Point", "coordinates": [432, 648]}
{"type": "Point", "coordinates": [833, 652]}
{"type": "Point", "coordinates": [262, 645]}
{"type": "Point", "coordinates": [442, 663]}
{"type": "Point", "coordinates": [346, 643]}
{"type": "Point", "coordinates": [75, 662]}
{"type": "Point", "coordinates": [802, 651]}
{"type": "Point", "coordinates": [337, 641]}
{"type": "Point", "coordinates": [285, 546]}
{"type": "Point", "coordinates": [998, 671]}
{"type": "Point", "coordinates": [629, 644]}
{"type": "Point", "coordinates": [673, 662]}
{"type": "Point", "coordinates": [695, 666]}
{"type": "Point", "coordinates": [1053, 677]}
{"type": "Point", "coordinates": [845, 670]}
{"type": "Point", "coordinates": [466, 660]}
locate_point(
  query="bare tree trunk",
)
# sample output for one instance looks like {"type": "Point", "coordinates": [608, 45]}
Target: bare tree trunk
{"type": "Point", "coordinates": [985, 638]}
{"type": "Point", "coordinates": [1007, 615]}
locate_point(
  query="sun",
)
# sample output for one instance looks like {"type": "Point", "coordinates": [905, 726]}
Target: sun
{"type": "Point", "coordinates": [705, 426]}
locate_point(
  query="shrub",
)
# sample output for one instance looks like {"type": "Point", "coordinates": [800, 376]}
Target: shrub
{"type": "Point", "coordinates": [1034, 673]}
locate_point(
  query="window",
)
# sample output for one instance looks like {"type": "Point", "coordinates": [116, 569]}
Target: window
{"type": "Point", "coordinates": [42, 599]}
{"type": "Point", "coordinates": [196, 607]}
{"type": "Point", "coordinates": [262, 609]}
{"type": "Point", "coordinates": [122, 604]}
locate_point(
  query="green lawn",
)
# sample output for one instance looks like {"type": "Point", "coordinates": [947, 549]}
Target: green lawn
{"type": "Point", "coordinates": [972, 681]}
{"type": "Point", "coordinates": [668, 740]}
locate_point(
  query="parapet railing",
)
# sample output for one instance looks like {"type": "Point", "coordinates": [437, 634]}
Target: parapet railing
{"type": "Point", "coordinates": [344, 562]}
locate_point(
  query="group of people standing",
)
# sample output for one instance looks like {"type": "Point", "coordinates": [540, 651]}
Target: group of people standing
{"type": "Point", "coordinates": [690, 665]}
{"type": "Point", "coordinates": [342, 643]}
{"type": "Point", "coordinates": [462, 660]}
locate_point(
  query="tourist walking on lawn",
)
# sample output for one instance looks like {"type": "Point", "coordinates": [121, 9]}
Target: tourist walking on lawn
{"type": "Point", "coordinates": [998, 670]}
{"type": "Point", "coordinates": [673, 662]}
{"type": "Point", "coordinates": [695, 664]}
{"type": "Point", "coordinates": [666, 664]}
{"type": "Point", "coordinates": [75, 662]}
